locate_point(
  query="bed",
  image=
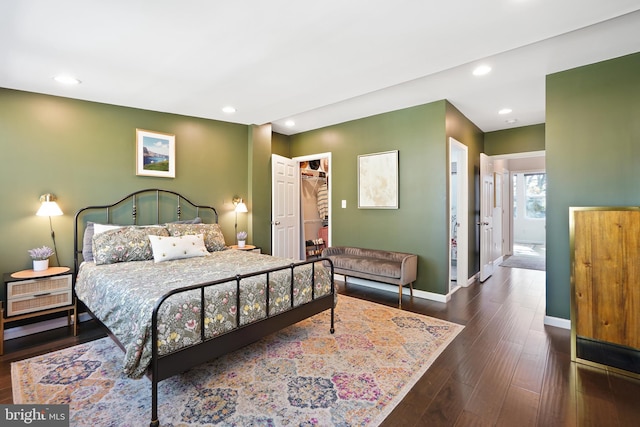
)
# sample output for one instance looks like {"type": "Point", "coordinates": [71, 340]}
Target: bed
{"type": "Point", "coordinates": [173, 296]}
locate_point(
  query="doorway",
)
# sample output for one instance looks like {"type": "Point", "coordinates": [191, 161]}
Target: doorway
{"type": "Point", "coordinates": [458, 215]}
{"type": "Point", "coordinates": [528, 216]}
{"type": "Point", "coordinates": [519, 232]}
{"type": "Point", "coordinates": [314, 205]}
{"type": "Point", "coordinates": [301, 217]}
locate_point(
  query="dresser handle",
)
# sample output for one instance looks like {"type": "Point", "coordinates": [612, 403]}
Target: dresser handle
{"type": "Point", "coordinates": [42, 295]}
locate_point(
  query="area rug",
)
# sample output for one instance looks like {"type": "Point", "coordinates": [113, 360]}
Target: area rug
{"type": "Point", "coordinates": [300, 376]}
{"type": "Point", "coordinates": [525, 261]}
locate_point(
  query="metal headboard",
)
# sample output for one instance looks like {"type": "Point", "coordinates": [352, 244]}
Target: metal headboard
{"type": "Point", "coordinates": [140, 203]}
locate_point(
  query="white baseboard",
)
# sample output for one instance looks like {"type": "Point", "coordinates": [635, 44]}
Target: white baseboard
{"type": "Point", "coordinates": [470, 281]}
{"type": "Point", "coordinates": [558, 322]}
{"type": "Point", "coordinates": [46, 325]}
{"type": "Point", "coordinates": [393, 288]}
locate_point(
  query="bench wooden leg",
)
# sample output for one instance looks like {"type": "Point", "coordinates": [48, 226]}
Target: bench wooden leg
{"type": "Point", "coordinates": [400, 293]}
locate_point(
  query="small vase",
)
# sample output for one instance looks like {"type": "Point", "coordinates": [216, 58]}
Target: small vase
{"type": "Point", "coordinates": [241, 243]}
{"type": "Point", "coordinates": [40, 264]}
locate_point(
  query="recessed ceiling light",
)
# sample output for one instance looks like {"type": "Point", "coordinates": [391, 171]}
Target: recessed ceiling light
{"type": "Point", "coordinates": [228, 109]}
{"type": "Point", "coordinates": [66, 79]}
{"type": "Point", "coordinates": [511, 121]}
{"type": "Point", "coordinates": [481, 70]}
{"type": "Point", "coordinates": [505, 111]}
{"type": "Point", "coordinates": [289, 123]}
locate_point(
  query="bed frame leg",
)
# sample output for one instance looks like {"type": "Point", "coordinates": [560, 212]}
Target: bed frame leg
{"type": "Point", "coordinates": [333, 329]}
{"type": "Point", "coordinates": [155, 422]}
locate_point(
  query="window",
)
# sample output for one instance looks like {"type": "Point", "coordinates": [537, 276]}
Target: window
{"type": "Point", "coordinates": [535, 194]}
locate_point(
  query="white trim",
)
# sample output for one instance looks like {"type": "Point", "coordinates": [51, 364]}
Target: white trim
{"type": "Point", "coordinates": [45, 325]}
{"type": "Point", "coordinates": [473, 278]}
{"type": "Point", "coordinates": [308, 157]}
{"type": "Point", "coordinates": [394, 288]}
{"type": "Point", "coordinates": [558, 322]}
{"type": "Point", "coordinates": [462, 205]}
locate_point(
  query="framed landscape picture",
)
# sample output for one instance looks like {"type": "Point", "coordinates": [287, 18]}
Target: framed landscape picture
{"type": "Point", "coordinates": [378, 180]}
{"type": "Point", "coordinates": [155, 154]}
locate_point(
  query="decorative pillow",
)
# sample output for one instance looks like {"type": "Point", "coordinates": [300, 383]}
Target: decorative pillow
{"type": "Point", "coordinates": [124, 244]}
{"type": "Point", "coordinates": [213, 238]}
{"type": "Point", "coordinates": [87, 239]}
{"type": "Point", "coordinates": [170, 248]}
{"type": "Point", "coordinates": [87, 242]}
{"type": "Point", "coordinates": [94, 228]}
{"type": "Point", "coordinates": [101, 228]}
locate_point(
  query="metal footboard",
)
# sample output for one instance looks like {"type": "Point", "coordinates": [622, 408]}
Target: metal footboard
{"type": "Point", "coordinates": [165, 366]}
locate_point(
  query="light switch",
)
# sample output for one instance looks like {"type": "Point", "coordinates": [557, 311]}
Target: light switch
{"type": "Point", "coordinates": [344, 204]}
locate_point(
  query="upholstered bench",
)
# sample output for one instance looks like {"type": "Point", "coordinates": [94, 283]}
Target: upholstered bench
{"type": "Point", "coordinates": [396, 268]}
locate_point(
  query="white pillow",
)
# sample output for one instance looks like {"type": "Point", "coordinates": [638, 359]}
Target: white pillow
{"type": "Point", "coordinates": [170, 248]}
{"type": "Point", "coordinates": [101, 228]}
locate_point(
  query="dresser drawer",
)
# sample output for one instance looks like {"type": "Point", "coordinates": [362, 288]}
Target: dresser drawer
{"type": "Point", "coordinates": [27, 296]}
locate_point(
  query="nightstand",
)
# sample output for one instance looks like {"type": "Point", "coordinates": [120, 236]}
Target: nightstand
{"type": "Point", "coordinates": [250, 248]}
{"type": "Point", "coordinates": [31, 293]}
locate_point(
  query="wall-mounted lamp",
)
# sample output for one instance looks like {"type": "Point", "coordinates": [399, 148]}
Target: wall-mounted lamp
{"type": "Point", "coordinates": [240, 208]}
{"type": "Point", "coordinates": [50, 208]}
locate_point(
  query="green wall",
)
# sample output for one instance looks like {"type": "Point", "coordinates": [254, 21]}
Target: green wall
{"type": "Point", "coordinates": [280, 145]}
{"type": "Point", "coordinates": [464, 131]}
{"type": "Point", "coordinates": [593, 155]}
{"type": "Point", "coordinates": [517, 140]}
{"type": "Point", "coordinates": [420, 225]}
{"type": "Point", "coordinates": [84, 152]}
{"type": "Point", "coordinates": [260, 147]}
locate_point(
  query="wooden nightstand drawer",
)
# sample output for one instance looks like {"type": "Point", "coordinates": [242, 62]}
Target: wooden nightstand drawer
{"type": "Point", "coordinates": [27, 296]}
{"type": "Point", "coordinates": [37, 303]}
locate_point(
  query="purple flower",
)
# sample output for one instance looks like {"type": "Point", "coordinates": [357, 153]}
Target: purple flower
{"type": "Point", "coordinates": [40, 253]}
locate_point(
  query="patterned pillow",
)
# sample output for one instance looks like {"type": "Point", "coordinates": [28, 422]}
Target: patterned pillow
{"type": "Point", "coordinates": [89, 231]}
{"type": "Point", "coordinates": [125, 244]}
{"type": "Point", "coordinates": [170, 248]}
{"type": "Point", "coordinates": [213, 238]}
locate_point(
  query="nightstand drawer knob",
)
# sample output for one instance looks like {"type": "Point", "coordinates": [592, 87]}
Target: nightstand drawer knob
{"type": "Point", "coordinates": [42, 295]}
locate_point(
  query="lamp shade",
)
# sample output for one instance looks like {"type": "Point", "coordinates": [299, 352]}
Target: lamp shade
{"type": "Point", "coordinates": [49, 206]}
{"type": "Point", "coordinates": [241, 208]}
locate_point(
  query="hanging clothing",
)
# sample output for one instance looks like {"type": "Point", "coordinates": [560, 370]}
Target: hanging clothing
{"type": "Point", "coordinates": [323, 202]}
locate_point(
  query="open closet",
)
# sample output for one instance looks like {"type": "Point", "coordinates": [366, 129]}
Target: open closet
{"type": "Point", "coordinates": [314, 183]}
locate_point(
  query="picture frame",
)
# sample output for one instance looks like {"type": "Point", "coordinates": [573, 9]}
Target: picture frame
{"type": "Point", "coordinates": [155, 154]}
{"type": "Point", "coordinates": [378, 180]}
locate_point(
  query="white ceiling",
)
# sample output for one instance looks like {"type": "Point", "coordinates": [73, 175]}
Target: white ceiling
{"type": "Point", "coordinates": [315, 62]}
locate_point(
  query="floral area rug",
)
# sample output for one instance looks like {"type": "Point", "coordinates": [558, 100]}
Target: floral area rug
{"type": "Point", "coordinates": [300, 376]}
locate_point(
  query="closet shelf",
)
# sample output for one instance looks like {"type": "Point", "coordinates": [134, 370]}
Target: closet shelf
{"type": "Point", "coordinates": [314, 248]}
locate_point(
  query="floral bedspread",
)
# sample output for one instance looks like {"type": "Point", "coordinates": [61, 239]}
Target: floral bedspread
{"type": "Point", "coordinates": [123, 296]}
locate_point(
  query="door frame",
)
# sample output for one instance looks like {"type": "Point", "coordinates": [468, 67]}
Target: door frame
{"type": "Point", "coordinates": [305, 158]}
{"type": "Point", "coordinates": [507, 213]}
{"type": "Point", "coordinates": [486, 216]}
{"type": "Point", "coordinates": [462, 206]}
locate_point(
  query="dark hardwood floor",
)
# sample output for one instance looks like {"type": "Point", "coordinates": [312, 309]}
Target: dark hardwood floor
{"type": "Point", "coordinates": [506, 368]}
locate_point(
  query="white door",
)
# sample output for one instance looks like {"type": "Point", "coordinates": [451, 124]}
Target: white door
{"type": "Point", "coordinates": [285, 208]}
{"type": "Point", "coordinates": [486, 217]}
